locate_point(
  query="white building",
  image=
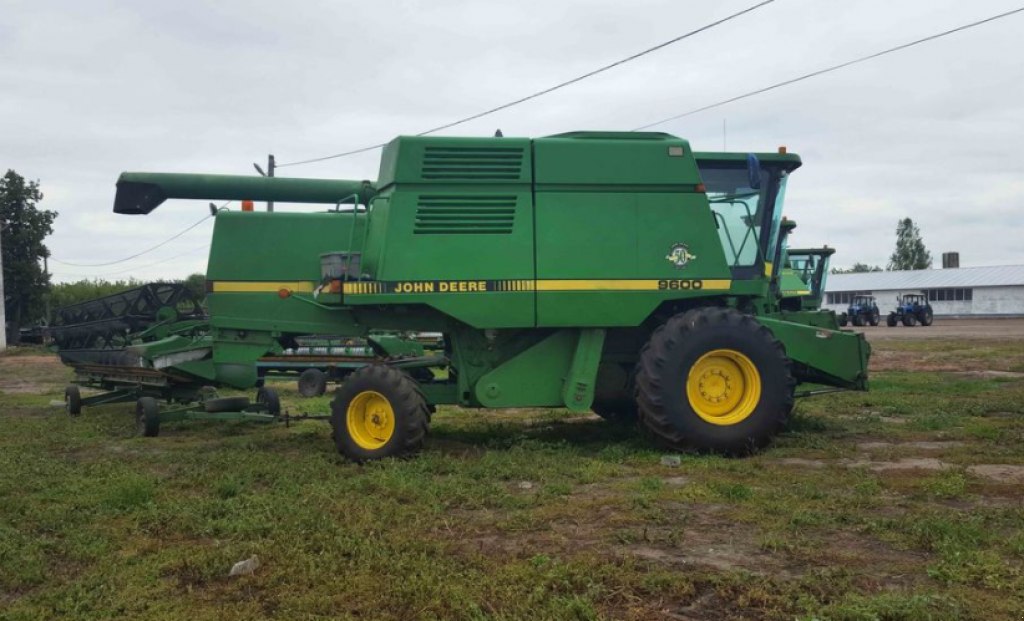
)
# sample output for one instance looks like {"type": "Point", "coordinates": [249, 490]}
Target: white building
{"type": "Point", "coordinates": [975, 291]}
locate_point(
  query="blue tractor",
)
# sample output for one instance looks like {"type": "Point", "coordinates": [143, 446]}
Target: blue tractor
{"type": "Point", "coordinates": [911, 309]}
{"type": "Point", "coordinates": [862, 311]}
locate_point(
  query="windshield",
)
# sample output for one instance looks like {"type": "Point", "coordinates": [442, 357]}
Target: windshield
{"type": "Point", "coordinates": [747, 218]}
{"type": "Point", "coordinates": [862, 300]}
{"type": "Point", "coordinates": [804, 266]}
{"type": "Point", "coordinates": [812, 269]}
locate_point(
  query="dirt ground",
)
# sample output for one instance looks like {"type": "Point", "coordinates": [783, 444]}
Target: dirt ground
{"type": "Point", "coordinates": [903, 503]}
{"type": "Point", "coordinates": [944, 328]}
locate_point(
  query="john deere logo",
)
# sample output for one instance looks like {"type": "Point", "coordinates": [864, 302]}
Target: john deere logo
{"type": "Point", "coordinates": [679, 255]}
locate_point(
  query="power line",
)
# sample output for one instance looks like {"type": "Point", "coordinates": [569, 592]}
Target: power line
{"type": "Point", "coordinates": [833, 68]}
{"type": "Point", "coordinates": [136, 267]}
{"type": "Point", "coordinates": [545, 91]}
{"type": "Point", "coordinates": [139, 254]}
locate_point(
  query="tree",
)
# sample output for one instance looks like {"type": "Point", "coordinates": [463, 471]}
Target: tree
{"type": "Point", "coordinates": [910, 253]}
{"type": "Point", "coordinates": [858, 268]}
{"type": "Point", "coordinates": [196, 284]}
{"type": "Point", "coordinates": [24, 226]}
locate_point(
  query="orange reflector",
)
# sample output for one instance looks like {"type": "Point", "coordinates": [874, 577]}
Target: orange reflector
{"type": "Point", "coordinates": [284, 294]}
{"type": "Point", "coordinates": [782, 150]}
{"type": "Point", "coordinates": [247, 206]}
{"type": "Point", "coordinates": [335, 286]}
{"type": "Point", "coordinates": [701, 188]}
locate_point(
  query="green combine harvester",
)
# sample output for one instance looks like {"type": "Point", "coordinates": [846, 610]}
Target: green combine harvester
{"type": "Point", "coordinates": [616, 271]}
{"type": "Point", "coordinates": [802, 279]}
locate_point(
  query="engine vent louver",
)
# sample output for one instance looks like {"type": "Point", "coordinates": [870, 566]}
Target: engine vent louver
{"type": "Point", "coordinates": [462, 215]}
{"type": "Point", "coordinates": [472, 163]}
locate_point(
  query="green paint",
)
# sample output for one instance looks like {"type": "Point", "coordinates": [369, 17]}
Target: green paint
{"type": "Point", "coordinates": [528, 254]}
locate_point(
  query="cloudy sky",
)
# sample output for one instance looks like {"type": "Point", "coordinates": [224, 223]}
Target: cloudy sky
{"type": "Point", "coordinates": [90, 89]}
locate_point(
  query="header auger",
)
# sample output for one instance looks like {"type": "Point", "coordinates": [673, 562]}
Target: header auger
{"type": "Point", "coordinates": [616, 271]}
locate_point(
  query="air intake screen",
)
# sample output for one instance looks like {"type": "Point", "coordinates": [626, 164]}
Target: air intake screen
{"type": "Point", "coordinates": [475, 215]}
{"type": "Point", "coordinates": [473, 163]}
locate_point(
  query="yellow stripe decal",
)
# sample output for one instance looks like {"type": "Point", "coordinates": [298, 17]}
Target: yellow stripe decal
{"type": "Point", "coordinates": [239, 286]}
{"type": "Point", "coordinates": [631, 285]}
{"type": "Point", "coordinates": [480, 286]}
{"type": "Point", "coordinates": [517, 286]}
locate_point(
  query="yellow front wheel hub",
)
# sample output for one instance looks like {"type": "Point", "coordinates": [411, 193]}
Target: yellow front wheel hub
{"type": "Point", "coordinates": [723, 387]}
{"type": "Point", "coordinates": [370, 420]}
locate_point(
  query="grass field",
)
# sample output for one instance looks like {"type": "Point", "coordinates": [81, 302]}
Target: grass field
{"type": "Point", "coordinates": [905, 503]}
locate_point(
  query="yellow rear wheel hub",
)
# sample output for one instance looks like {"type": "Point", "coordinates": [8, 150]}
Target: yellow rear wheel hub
{"type": "Point", "coordinates": [370, 420]}
{"type": "Point", "coordinates": [723, 387]}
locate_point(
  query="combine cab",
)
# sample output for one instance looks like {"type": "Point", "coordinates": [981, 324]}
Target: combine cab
{"type": "Point", "coordinates": [911, 309]}
{"type": "Point", "coordinates": [810, 265]}
{"type": "Point", "coordinates": [616, 271]}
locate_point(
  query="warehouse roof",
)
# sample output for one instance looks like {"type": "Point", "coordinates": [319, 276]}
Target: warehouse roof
{"type": "Point", "coordinates": [997, 276]}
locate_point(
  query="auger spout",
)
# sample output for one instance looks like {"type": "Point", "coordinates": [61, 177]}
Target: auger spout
{"type": "Point", "coordinates": [140, 193]}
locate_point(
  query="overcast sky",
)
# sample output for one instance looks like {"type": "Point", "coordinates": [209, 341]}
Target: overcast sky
{"type": "Point", "coordinates": [90, 89]}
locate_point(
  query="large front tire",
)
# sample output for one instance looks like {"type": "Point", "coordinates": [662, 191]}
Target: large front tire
{"type": "Point", "coordinates": [714, 380]}
{"type": "Point", "coordinates": [379, 412]}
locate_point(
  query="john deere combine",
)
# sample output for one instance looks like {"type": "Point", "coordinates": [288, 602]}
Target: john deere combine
{"type": "Point", "coordinates": [619, 271]}
{"type": "Point", "coordinates": [803, 278]}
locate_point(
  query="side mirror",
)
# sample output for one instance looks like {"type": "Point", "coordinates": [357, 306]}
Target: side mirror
{"type": "Point", "coordinates": [753, 171]}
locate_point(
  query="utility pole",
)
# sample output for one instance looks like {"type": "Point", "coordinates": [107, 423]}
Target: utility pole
{"type": "Point", "coordinates": [271, 165]}
{"type": "Point", "coordinates": [3, 302]}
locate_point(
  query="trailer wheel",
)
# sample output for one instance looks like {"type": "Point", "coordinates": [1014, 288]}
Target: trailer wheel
{"type": "Point", "coordinates": [226, 404]}
{"type": "Point", "coordinates": [72, 401]}
{"type": "Point", "coordinates": [714, 380]}
{"type": "Point", "coordinates": [891, 320]}
{"type": "Point", "coordinates": [312, 383]}
{"type": "Point", "coordinates": [379, 412]}
{"type": "Point", "coordinates": [909, 320]}
{"type": "Point", "coordinates": [147, 417]}
{"type": "Point", "coordinates": [269, 400]}
{"type": "Point", "coordinates": [926, 317]}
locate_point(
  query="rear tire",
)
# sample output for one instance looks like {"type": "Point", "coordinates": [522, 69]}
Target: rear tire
{"type": "Point", "coordinates": [909, 320]}
{"type": "Point", "coordinates": [614, 395]}
{"type": "Point", "coordinates": [714, 380]}
{"type": "Point", "coordinates": [926, 317]}
{"type": "Point", "coordinates": [858, 320]}
{"type": "Point", "coordinates": [891, 320]}
{"type": "Point", "coordinates": [378, 412]}
{"type": "Point", "coordinates": [312, 383]}
{"type": "Point", "coordinates": [875, 318]}
{"type": "Point", "coordinates": [72, 401]}
{"type": "Point", "coordinates": [147, 417]}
